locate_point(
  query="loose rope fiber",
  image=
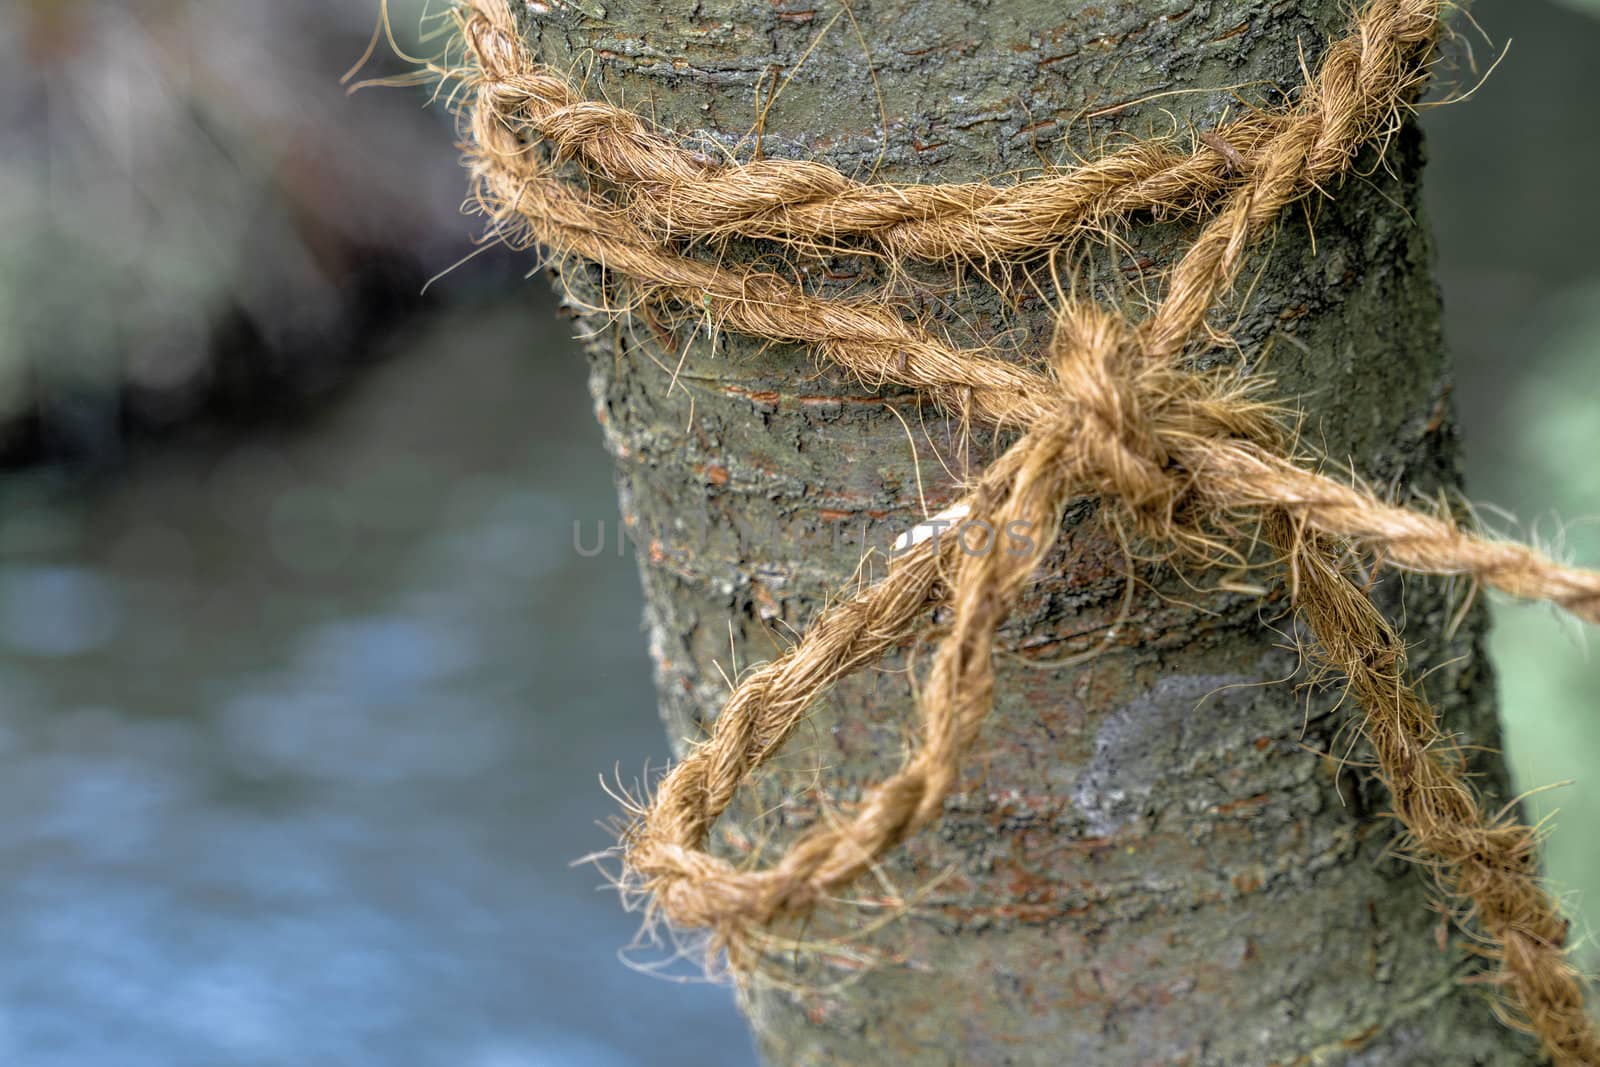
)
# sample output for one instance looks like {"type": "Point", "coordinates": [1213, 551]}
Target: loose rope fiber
{"type": "Point", "coordinates": [1194, 461]}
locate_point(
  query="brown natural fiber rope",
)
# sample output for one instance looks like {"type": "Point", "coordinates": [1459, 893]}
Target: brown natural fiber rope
{"type": "Point", "coordinates": [1180, 458]}
{"type": "Point", "coordinates": [1486, 865]}
{"type": "Point", "coordinates": [671, 192]}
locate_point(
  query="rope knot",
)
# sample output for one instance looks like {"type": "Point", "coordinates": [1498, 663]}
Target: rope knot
{"type": "Point", "coordinates": [1114, 399]}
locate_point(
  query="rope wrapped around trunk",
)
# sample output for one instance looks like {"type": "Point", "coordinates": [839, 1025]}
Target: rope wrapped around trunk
{"type": "Point", "coordinates": [1194, 461]}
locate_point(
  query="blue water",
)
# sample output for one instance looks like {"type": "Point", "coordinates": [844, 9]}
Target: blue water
{"type": "Point", "coordinates": [300, 734]}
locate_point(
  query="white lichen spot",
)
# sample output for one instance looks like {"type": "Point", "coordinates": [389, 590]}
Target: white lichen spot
{"type": "Point", "coordinates": [1140, 744]}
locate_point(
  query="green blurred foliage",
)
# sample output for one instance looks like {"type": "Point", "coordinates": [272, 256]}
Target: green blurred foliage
{"type": "Point", "coordinates": [1591, 7]}
{"type": "Point", "coordinates": [1549, 671]}
{"type": "Point", "coordinates": [1510, 193]}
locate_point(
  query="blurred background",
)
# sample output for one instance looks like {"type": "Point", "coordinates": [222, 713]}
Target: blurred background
{"type": "Point", "coordinates": [304, 693]}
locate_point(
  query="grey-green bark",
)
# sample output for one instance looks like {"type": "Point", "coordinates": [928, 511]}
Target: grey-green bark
{"type": "Point", "coordinates": [1146, 861]}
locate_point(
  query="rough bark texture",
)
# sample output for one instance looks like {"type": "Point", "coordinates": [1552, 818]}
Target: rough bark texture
{"type": "Point", "coordinates": [1147, 860]}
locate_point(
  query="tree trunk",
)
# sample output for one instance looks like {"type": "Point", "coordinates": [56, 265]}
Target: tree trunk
{"type": "Point", "coordinates": [1156, 855]}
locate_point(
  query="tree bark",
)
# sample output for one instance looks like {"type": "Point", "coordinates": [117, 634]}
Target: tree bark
{"type": "Point", "coordinates": [1159, 855]}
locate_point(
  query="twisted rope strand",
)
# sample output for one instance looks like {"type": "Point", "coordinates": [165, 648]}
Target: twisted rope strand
{"type": "Point", "coordinates": [672, 193]}
{"type": "Point", "coordinates": [870, 340]}
{"type": "Point", "coordinates": [880, 348]}
{"type": "Point", "coordinates": [1486, 865]}
{"type": "Point", "coordinates": [1179, 457]}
